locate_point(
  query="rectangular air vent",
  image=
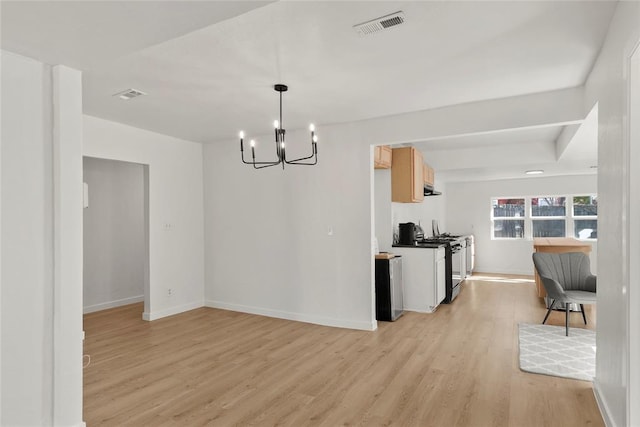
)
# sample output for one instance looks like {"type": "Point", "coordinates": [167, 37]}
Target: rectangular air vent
{"type": "Point", "coordinates": [379, 24]}
{"type": "Point", "coordinates": [129, 94]}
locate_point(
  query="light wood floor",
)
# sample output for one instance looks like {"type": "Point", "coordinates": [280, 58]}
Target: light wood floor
{"type": "Point", "coordinates": [457, 367]}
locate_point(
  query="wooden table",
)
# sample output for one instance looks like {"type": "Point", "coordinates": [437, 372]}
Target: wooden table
{"type": "Point", "coordinates": [557, 244]}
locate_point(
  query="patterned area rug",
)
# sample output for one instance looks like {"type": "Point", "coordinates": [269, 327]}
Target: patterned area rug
{"type": "Point", "coordinates": [546, 350]}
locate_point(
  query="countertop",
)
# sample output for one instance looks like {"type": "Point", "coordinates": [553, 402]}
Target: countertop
{"type": "Point", "coordinates": [559, 241]}
{"type": "Point", "coordinates": [421, 245]}
{"type": "Point", "coordinates": [386, 255]}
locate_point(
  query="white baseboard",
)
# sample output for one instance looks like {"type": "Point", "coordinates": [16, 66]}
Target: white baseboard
{"type": "Point", "coordinates": [417, 310]}
{"type": "Point", "coordinates": [299, 317]}
{"type": "Point", "coordinates": [171, 311]}
{"type": "Point", "coordinates": [503, 271]}
{"type": "Point", "coordinates": [112, 304]}
{"type": "Point", "coordinates": [602, 405]}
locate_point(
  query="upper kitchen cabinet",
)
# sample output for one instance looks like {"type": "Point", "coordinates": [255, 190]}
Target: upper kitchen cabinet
{"type": "Point", "coordinates": [407, 181]}
{"type": "Point", "coordinates": [428, 175]}
{"type": "Point", "coordinates": [382, 157]}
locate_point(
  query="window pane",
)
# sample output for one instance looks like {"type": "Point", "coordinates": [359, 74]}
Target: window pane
{"type": "Point", "coordinates": [586, 228]}
{"type": "Point", "coordinates": [548, 206]}
{"type": "Point", "coordinates": [548, 228]}
{"type": "Point", "coordinates": [508, 228]}
{"type": "Point", "coordinates": [585, 205]}
{"type": "Point", "coordinates": [508, 208]}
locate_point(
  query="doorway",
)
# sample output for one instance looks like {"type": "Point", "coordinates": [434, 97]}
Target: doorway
{"type": "Point", "coordinates": [115, 235]}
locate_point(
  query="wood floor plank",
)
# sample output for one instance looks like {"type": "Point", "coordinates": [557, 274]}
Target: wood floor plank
{"type": "Point", "coordinates": [209, 367]}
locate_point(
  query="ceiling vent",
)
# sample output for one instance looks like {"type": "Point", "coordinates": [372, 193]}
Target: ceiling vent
{"type": "Point", "coordinates": [129, 94]}
{"type": "Point", "coordinates": [380, 24]}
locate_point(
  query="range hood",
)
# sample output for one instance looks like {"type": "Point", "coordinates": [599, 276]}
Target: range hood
{"type": "Point", "coordinates": [429, 191]}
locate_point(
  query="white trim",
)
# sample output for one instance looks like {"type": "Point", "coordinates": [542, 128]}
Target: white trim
{"type": "Point", "coordinates": [171, 311]}
{"type": "Point", "coordinates": [569, 217]}
{"type": "Point", "coordinates": [416, 310]}
{"type": "Point", "coordinates": [602, 405]}
{"type": "Point", "coordinates": [299, 317]}
{"type": "Point", "coordinates": [113, 304]}
{"type": "Point", "coordinates": [632, 248]}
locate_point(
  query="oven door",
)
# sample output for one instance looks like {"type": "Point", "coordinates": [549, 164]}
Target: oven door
{"type": "Point", "coordinates": [457, 265]}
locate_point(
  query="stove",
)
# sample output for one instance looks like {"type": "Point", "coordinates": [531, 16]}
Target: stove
{"type": "Point", "coordinates": [455, 269]}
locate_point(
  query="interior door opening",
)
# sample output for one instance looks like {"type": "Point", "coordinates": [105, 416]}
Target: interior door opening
{"type": "Point", "coordinates": [115, 234]}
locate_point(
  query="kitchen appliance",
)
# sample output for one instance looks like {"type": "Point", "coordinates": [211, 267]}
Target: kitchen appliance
{"type": "Point", "coordinates": [409, 233]}
{"type": "Point", "coordinates": [471, 254]}
{"type": "Point", "coordinates": [389, 301]}
{"type": "Point", "coordinates": [455, 266]}
{"type": "Point", "coordinates": [435, 228]}
{"type": "Point", "coordinates": [458, 260]}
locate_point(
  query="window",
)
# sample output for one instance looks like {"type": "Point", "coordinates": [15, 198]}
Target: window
{"type": "Point", "coordinates": [508, 218]}
{"type": "Point", "coordinates": [585, 217]}
{"type": "Point", "coordinates": [545, 216]}
{"type": "Point", "coordinates": [548, 216]}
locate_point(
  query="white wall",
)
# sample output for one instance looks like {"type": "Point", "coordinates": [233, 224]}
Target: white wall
{"type": "Point", "coordinates": [634, 242]}
{"type": "Point", "coordinates": [268, 249]}
{"type": "Point", "coordinates": [432, 207]}
{"type": "Point", "coordinates": [469, 212]}
{"type": "Point", "coordinates": [389, 214]}
{"type": "Point", "coordinates": [176, 225]}
{"type": "Point", "coordinates": [41, 244]}
{"type": "Point", "coordinates": [27, 240]}
{"type": "Point", "coordinates": [608, 85]}
{"type": "Point", "coordinates": [266, 246]}
{"type": "Point", "coordinates": [383, 216]}
{"type": "Point", "coordinates": [115, 251]}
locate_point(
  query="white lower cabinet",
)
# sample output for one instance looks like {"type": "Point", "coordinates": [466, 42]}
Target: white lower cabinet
{"type": "Point", "coordinates": [423, 277]}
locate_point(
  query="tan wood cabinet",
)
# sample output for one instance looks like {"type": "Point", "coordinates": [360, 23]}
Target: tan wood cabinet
{"type": "Point", "coordinates": [382, 157]}
{"type": "Point", "coordinates": [428, 175]}
{"type": "Point", "coordinates": [556, 244]}
{"type": "Point", "coordinates": [407, 181]}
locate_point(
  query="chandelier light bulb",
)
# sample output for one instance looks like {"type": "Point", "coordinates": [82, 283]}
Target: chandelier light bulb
{"type": "Point", "coordinates": [312, 127]}
{"type": "Point", "coordinates": [252, 143]}
{"type": "Point", "coordinates": [276, 124]}
{"type": "Point", "coordinates": [241, 134]}
{"type": "Point", "coordinates": [315, 138]}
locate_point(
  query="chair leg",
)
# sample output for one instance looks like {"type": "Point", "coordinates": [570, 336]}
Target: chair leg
{"type": "Point", "coordinates": [566, 310]}
{"type": "Point", "coordinates": [584, 316]}
{"type": "Point", "coordinates": [553, 302]}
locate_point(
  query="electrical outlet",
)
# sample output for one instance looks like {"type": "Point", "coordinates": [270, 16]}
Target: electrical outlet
{"type": "Point", "coordinates": [170, 292]}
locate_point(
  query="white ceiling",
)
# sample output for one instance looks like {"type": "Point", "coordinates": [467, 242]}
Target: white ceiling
{"type": "Point", "coordinates": [209, 66]}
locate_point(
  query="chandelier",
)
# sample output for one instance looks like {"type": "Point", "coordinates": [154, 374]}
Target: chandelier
{"type": "Point", "coordinates": [281, 152]}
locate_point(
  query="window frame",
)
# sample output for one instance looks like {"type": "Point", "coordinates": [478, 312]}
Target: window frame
{"type": "Point", "coordinates": [508, 218]}
{"type": "Point", "coordinates": [569, 218]}
{"type": "Point", "coordinates": [564, 218]}
{"type": "Point", "coordinates": [575, 217]}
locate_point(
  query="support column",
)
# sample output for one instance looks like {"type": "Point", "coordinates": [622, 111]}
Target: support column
{"type": "Point", "coordinates": [67, 292]}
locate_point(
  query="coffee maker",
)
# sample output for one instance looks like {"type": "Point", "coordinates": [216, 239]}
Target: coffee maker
{"type": "Point", "coordinates": [409, 233]}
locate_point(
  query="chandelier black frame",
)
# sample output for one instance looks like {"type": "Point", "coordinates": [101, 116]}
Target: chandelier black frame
{"type": "Point", "coordinates": [281, 152]}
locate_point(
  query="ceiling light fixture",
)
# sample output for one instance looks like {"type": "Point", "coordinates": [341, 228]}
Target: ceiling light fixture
{"type": "Point", "coordinates": [534, 172]}
{"type": "Point", "coordinates": [281, 152]}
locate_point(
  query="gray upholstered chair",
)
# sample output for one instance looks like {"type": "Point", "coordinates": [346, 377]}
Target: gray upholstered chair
{"type": "Point", "coordinates": [567, 279]}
